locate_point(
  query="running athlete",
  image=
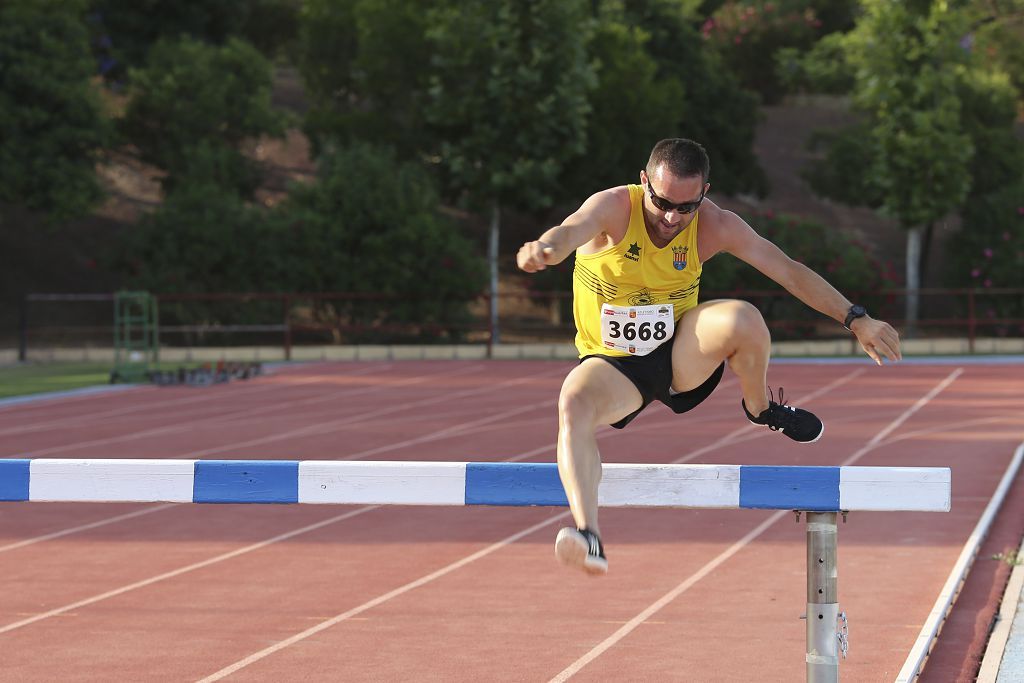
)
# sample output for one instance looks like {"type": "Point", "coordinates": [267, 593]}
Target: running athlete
{"type": "Point", "coordinates": [641, 334]}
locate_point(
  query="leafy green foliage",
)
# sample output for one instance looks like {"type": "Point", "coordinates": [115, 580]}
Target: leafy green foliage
{"type": "Point", "coordinates": [908, 66]}
{"type": "Point", "coordinates": [370, 225]}
{"type": "Point", "coordinates": [627, 83]}
{"type": "Point", "coordinates": [997, 38]}
{"type": "Point", "coordinates": [202, 239]}
{"type": "Point", "coordinates": [365, 63]}
{"type": "Point", "coordinates": [989, 252]}
{"type": "Point", "coordinates": [508, 95]}
{"type": "Point", "coordinates": [52, 124]}
{"type": "Point", "coordinates": [714, 109]}
{"type": "Point", "coordinates": [838, 257]}
{"type": "Point", "coordinates": [821, 69]}
{"type": "Point", "coordinates": [193, 102]}
{"type": "Point", "coordinates": [126, 30]}
{"type": "Point", "coordinates": [844, 149]}
{"type": "Point", "coordinates": [989, 115]}
{"type": "Point", "coordinates": [749, 34]}
{"type": "Point", "coordinates": [841, 259]}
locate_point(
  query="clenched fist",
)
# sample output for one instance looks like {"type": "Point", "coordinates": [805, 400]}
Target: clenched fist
{"type": "Point", "coordinates": [534, 256]}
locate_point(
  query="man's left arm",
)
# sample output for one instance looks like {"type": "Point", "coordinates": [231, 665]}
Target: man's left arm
{"type": "Point", "coordinates": [876, 337]}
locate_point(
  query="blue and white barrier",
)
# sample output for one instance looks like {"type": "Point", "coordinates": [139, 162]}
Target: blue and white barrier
{"type": "Point", "coordinates": [472, 483]}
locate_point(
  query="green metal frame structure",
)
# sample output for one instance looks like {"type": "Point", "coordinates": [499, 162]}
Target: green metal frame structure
{"type": "Point", "coordinates": [136, 331]}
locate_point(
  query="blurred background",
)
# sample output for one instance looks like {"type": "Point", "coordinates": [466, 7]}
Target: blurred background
{"type": "Point", "coordinates": [281, 178]}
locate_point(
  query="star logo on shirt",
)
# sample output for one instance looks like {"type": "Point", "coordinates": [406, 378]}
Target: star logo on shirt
{"type": "Point", "coordinates": [633, 253]}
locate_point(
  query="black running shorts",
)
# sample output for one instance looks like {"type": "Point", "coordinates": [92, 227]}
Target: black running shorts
{"type": "Point", "coordinates": [652, 376]}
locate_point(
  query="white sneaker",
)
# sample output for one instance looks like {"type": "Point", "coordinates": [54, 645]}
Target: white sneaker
{"type": "Point", "coordinates": [582, 549]}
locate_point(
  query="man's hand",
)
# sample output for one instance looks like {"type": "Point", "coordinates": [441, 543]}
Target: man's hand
{"type": "Point", "coordinates": [877, 338]}
{"type": "Point", "coordinates": [534, 256]}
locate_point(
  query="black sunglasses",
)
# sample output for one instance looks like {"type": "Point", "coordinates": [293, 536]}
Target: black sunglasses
{"type": "Point", "coordinates": [665, 205]}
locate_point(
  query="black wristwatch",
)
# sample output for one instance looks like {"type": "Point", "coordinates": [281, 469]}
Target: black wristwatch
{"type": "Point", "coordinates": [856, 311]}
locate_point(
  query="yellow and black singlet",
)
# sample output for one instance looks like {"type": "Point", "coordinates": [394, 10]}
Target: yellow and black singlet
{"type": "Point", "coordinates": [628, 297]}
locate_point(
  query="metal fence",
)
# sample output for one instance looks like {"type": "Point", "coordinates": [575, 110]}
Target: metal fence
{"type": "Point", "coordinates": [286, 320]}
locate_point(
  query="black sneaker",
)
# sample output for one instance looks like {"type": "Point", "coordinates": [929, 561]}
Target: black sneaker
{"type": "Point", "coordinates": [796, 423]}
{"type": "Point", "coordinates": [582, 549]}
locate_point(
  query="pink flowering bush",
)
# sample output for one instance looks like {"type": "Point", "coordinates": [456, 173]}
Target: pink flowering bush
{"type": "Point", "coordinates": [840, 258]}
{"type": "Point", "coordinates": [988, 254]}
{"type": "Point", "coordinates": [747, 34]}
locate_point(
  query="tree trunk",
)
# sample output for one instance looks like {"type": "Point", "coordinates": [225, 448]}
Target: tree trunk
{"type": "Point", "coordinates": [926, 249]}
{"type": "Point", "coordinates": [913, 280]}
{"type": "Point", "coordinates": [492, 255]}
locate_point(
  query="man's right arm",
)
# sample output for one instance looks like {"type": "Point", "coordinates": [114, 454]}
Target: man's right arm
{"type": "Point", "coordinates": [603, 212]}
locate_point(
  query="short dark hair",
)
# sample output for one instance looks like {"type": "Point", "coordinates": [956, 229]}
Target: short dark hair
{"type": "Point", "coordinates": [684, 158]}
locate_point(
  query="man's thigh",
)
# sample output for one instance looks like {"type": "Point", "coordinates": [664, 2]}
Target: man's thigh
{"type": "Point", "coordinates": [602, 386]}
{"type": "Point", "coordinates": [705, 336]}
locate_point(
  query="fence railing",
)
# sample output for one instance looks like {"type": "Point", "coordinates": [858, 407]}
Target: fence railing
{"type": "Point", "coordinates": [293, 319]}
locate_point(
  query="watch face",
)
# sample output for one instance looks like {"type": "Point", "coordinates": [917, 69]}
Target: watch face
{"type": "Point", "coordinates": [857, 311]}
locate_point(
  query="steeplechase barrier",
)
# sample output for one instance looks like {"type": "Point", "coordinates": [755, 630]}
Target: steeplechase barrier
{"type": "Point", "coordinates": [819, 492]}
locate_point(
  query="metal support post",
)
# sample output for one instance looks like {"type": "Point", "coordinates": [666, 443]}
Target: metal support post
{"type": "Point", "coordinates": [822, 600]}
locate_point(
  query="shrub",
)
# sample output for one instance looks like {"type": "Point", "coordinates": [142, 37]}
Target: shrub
{"type": "Point", "coordinates": [748, 35]}
{"type": "Point", "coordinates": [370, 225]}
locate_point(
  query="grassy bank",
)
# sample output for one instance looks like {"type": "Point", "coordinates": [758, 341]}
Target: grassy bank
{"type": "Point", "coordinates": [21, 380]}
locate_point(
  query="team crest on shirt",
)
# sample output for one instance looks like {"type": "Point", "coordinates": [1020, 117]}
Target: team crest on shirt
{"type": "Point", "coordinates": [679, 257]}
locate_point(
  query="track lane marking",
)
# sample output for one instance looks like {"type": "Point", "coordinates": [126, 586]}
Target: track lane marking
{"type": "Point", "coordinates": [266, 652]}
{"type": "Point", "coordinates": [184, 570]}
{"type": "Point", "coordinates": [666, 599]}
{"type": "Point", "coordinates": [161, 431]}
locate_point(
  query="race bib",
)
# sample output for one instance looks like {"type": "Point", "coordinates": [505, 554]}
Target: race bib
{"type": "Point", "coordinates": [637, 330]}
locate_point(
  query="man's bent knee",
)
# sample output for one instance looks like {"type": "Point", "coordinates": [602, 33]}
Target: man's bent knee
{"type": "Point", "coordinates": [737, 320]}
{"type": "Point", "coordinates": [576, 410]}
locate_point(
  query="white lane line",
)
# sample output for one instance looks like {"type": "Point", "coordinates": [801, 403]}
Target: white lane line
{"type": "Point", "coordinates": [183, 570]}
{"type": "Point", "coordinates": [430, 577]}
{"type": "Point", "coordinates": [454, 430]}
{"type": "Point", "coordinates": [602, 431]}
{"type": "Point", "coordinates": [921, 403]}
{"type": "Point", "coordinates": [90, 418]}
{"type": "Point", "coordinates": [160, 431]}
{"type": "Point", "coordinates": [951, 589]}
{"type": "Point", "coordinates": [194, 454]}
{"type": "Point", "coordinates": [380, 599]}
{"type": "Point", "coordinates": [334, 425]}
{"type": "Point", "coordinates": [630, 626]}
{"type": "Point", "coordinates": [118, 518]}
{"type": "Point", "coordinates": [262, 387]}
{"type": "Point", "coordinates": [664, 600]}
{"type": "Point", "coordinates": [84, 527]}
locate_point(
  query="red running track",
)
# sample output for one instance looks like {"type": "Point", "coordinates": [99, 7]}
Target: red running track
{"type": "Point", "coordinates": [300, 593]}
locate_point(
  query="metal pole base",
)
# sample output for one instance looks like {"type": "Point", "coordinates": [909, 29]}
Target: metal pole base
{"type": "Point", "coordinates": [822, 599]}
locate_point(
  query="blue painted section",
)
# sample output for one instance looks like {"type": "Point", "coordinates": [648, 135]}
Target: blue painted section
{"type": "Point", "coordinates": [789, 488]}
{"type": "Point", "coordinates": [246, 481]}
{"type": "Point", "coordinates": [514, 484]}
{"type": "Point", "coordinates": [14, 479]}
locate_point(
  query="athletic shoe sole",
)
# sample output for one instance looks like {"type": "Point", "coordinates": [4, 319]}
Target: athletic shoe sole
{"type": "Point", "coordinates": [820, 434]}
{"type": "Point", "coordinates": [572, 550]}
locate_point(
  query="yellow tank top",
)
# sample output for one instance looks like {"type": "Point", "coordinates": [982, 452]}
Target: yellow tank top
{"type": "Point", "coordinates": [634, 272]}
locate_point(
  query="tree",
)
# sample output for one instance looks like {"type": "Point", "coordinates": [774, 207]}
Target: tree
{"type": "Point", "coordinates": [195, 103]}
{"type": "Point", "coordinates": [714, 109]}
{"type": "Point", "coordinates": [913, 155]}
{"type": "Point", "coordinates": [365, 66]}
{"type": "Point", "coordinates": [627, 83]}
{"type": "Point", "coordinates": [126, 30]}
{"type": "Point", "coordinates": [508, 101]}
{"type": "Point", "coordinates": [52, 123]}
